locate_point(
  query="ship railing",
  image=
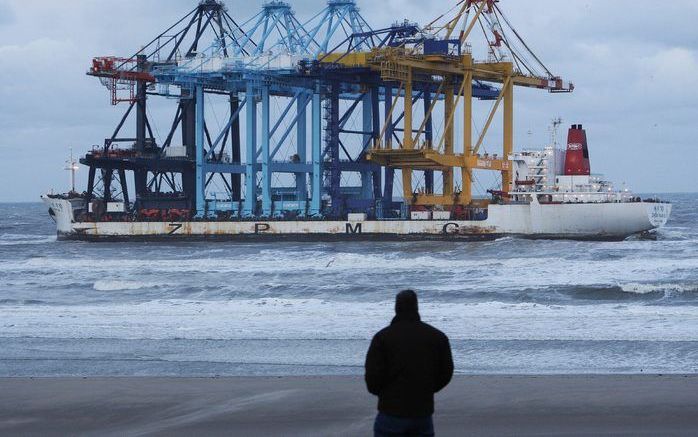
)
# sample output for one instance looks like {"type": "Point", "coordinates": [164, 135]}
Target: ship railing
{"type": "Point", "coordinates": [584, 196]}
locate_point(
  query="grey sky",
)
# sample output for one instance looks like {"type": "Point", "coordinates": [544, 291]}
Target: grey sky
{"type": "Point", "coordinates": [634, 64]}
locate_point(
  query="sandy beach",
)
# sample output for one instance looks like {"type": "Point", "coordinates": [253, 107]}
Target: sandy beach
{"type": "Point", "coordinates": [472, 405]}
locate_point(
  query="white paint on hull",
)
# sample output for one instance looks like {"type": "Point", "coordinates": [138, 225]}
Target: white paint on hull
{"type": "Point", "coordinates": [573, 220]}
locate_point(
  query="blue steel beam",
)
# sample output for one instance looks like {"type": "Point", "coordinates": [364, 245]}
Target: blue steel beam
{"type": "Point", "coordinates": [388, 140]}
{"type": "Point", "coordinates": [301, 123]}
{"type": "Point", "coordinates": [250, 204]}
{"type": "Point", "coordinates": [367, 123]}
{"type": "Point", "coordinates": [200, 183]}
{"type": "Point", "coordinates": [266, 171]}
{"type": "Point", "coordinates": [279, 120]}
{"type": "Point", "coordinates": [233, 117]}
{"type": "Point", "coordinates": [332, 146]}
{"type": "Point", "coordinates": [295, 123]}
{"type": "Point", "coordinates": [316, 114]}
{"type": "Point", "coordinates": [375, 137]}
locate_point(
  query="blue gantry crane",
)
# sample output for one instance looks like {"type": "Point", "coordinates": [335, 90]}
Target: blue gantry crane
{"type": "Point", "coordinates": [300, 122]}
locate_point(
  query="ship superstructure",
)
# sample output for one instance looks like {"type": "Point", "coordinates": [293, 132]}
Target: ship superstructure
{"type": "Point", "coordinates": [563, 176]}
{"type": "Point", "coordinates": [326, 120]}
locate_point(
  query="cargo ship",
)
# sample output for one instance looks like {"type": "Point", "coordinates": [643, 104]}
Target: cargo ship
{"type": "Point", "coordinates": [556, 196]}
{"type": "Point", "coordinates": [321, 130]}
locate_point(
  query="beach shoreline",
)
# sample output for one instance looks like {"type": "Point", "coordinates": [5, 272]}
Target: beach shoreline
{"type": "Point", "coordinates": [339, 405]}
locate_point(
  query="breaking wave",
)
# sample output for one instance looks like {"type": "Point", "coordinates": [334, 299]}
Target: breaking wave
{"type": "Point", "coordinates": [119, 285]}
{"type": "Point", "coordinates": [638, 288]}
{"type": "Point", "coordinates": [320, 319]}
{"type": "Point", "coordinates": [25, 239]}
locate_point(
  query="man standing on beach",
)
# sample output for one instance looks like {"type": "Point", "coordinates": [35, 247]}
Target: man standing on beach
{"type": "Point", "coordinates": [407, 363]}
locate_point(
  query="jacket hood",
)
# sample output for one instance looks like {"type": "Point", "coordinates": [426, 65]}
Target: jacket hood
{"type": "Point", "coordinates": [406, 306]}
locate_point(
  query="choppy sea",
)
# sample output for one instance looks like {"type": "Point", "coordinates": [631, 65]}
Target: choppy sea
{"type": "Point", "coordinates": [201, 309]}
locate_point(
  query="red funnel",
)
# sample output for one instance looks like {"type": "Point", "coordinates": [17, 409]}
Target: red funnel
{"type": "Point", "coordinates": [577, 157]}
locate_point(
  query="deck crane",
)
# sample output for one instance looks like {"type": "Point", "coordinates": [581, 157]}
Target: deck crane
{"type": "Point", "coordinates": [446, 58]}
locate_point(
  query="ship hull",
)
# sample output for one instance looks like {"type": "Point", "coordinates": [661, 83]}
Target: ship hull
{"type": "Point", "coordinates": [580, 221]}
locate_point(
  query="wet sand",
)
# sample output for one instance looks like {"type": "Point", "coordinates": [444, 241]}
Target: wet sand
{"type": "Point", "coordinates": [628, 405]}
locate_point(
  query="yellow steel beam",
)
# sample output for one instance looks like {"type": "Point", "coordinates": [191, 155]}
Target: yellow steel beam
{"type": "Point", "coordinates": [447, 137]}
{"type": "Point", "coordinates": [428, 159]}
{"type": "Point", "coordinates": [469, 162]}
{"type": "Point", "coordinates": [494, 72]}
{"type": "Point", "coordinates": [408, 139]}
{"type": "Point", "coordinates": [407, 184]}
{"type": "Point", "coordinates": [354, 59]}
{"type": "Point", "coordinates": [432, 66]}
{"type": "Point", "coordinates": [427, 116]}
{"type": "Point", "coordinates": [435, 199]}
{"type": "Point", "coordinates": [497, 72]}
{"type": "Point", "coordinates": [450, 110]}
{"type": "Point", "coordinates": [466, 173]}
{"type": "Point", "coordinates": [508, 128]}
{"type": "Point", "coordinates": [390, 114]}
{"type": "Point", "coordinates": [486, 163]}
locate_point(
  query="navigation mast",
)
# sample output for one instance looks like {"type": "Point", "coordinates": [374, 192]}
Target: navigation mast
{"type": "Point", "coordinates": [71, 165]}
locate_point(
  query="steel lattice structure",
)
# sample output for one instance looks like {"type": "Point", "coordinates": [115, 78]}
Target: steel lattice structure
{"type": "Point", "coordinates": [321, 114]}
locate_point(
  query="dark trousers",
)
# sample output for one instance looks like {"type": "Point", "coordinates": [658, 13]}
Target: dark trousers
{"type": "Point", "coordinates": [391, 426]}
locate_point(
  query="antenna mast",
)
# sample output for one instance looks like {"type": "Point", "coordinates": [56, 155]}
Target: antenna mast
{"type": "Point", "coordinates": [553, 130]}
{"type": "Point", "coordinates": [72, 166]}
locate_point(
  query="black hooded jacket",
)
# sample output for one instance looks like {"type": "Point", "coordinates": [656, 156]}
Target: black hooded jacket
{"type": "Point", "coordinates": [406, 364]}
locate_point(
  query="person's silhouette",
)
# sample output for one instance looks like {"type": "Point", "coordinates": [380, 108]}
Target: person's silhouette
{"type": "Point", "coordinates": [406, 364]}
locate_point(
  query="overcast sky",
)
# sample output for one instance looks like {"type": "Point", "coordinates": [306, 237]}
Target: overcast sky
{"type": "Point", "coordinates": [634, 64]}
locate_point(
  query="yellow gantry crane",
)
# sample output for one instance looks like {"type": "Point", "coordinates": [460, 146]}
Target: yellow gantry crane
{"type": "Point", "coordinates": [454, 74]}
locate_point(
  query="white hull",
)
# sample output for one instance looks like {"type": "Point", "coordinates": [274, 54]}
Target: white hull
{"type": "Point", "coordinates": [573, 221]}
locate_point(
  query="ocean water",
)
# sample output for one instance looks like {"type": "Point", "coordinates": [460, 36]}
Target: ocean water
{"type": "Point", "coordinates": [201, 309]}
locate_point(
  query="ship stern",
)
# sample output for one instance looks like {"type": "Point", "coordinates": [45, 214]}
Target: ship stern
{"type": "Point", "coordinates": [658, 213]}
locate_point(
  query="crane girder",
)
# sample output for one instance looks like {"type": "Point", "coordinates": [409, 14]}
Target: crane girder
{"type": "Point", "coordinates": [430, 159]}
{"type": "Point", "coordinates": [386, 59]}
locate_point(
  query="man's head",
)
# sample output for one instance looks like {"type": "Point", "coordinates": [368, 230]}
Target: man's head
{"type": "Point", "coordinates": [406, 302]}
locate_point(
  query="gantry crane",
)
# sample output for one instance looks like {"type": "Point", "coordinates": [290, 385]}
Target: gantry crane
{"type": "Point", "coordinates": [445, 61]}
{"type": "Point", "coordinates": [328, 109]}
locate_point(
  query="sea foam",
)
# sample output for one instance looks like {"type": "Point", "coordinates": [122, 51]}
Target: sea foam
{"type": "Point", "coordinates": [275, 318]}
